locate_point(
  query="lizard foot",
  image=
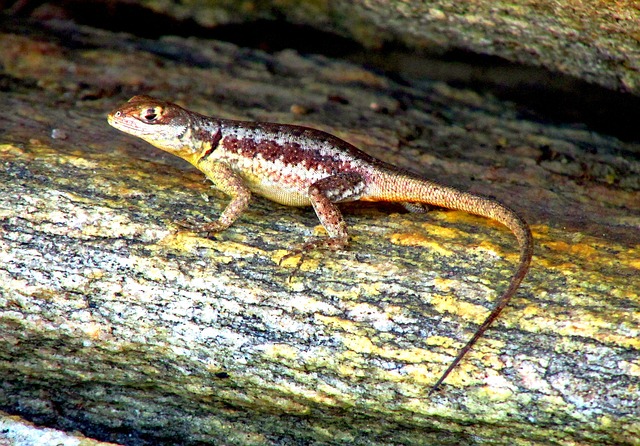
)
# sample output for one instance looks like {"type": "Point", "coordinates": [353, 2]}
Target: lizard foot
{"type": "Point", "coordinates": [200, 228]}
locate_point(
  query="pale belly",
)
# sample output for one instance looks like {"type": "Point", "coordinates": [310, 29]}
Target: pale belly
{"type": "Point", "coordinates": [289, 193]}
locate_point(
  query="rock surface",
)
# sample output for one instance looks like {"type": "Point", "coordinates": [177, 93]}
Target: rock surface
{"type": "Point", "coordinates": [598, 41]}
{"type": "Point", "coordinates": [116, 325]}
{"type": "Point", "coordinates": [15, 431]}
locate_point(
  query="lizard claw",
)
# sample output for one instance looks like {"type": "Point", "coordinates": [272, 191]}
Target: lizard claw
{"type": "Point", "coordinates": [289, 255]}
{"type": "Point", "coordinates": [332, 244]}
{"type": "Point", "coordinates": [199, 228]}
{"type": "Point", "coordinates": [298, 264]}
{"type": "Point", "coordinates": [302, 251]}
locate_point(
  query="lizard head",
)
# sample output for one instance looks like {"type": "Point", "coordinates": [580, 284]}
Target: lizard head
{"type": "Point", "coordinates": [163, 124]}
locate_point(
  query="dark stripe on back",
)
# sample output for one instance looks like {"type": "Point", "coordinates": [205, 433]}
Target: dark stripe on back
{"type": "Point", "coordinates": [290, 154]}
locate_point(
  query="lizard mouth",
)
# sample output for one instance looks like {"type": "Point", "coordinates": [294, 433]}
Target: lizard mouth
{"type": "Point", "coordinates": [113, 121]}
{"type": "Point", "coordinates": [122, 124]}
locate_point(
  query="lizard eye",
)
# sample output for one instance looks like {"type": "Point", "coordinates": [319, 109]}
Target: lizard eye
{"type": "Point", "coordinates": [151, 114]}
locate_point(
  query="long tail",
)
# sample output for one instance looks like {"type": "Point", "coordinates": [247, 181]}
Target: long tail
{"type": "Point", "coordinates": [412, 189]}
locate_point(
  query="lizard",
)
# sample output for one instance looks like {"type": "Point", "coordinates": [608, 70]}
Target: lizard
{"type": "Point", "coordinates": [301, 166]}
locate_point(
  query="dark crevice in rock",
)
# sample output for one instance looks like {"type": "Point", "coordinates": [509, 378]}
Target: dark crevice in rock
{"type": "Point", "coordinates": [539, 93]}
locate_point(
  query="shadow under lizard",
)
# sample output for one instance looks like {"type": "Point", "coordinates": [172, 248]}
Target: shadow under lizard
{"type": "Point", "coordinates": [300, 166]}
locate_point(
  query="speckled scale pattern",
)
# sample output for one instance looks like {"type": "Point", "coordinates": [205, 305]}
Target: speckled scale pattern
{"type": "Point", "coordinates": [280, 167]}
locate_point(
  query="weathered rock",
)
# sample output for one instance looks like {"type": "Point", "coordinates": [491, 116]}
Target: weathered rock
{"type": "Point", "coordinates": [115, 325]}
{"type": "Point", "coordinates": [595, 41]}
{"type": "Point", "coordinates": [15, 431]}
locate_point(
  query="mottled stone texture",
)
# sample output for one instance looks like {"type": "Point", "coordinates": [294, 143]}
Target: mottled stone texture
{"type": "Point", "coordinates": [598, 41]}
{"type": "Point", "coordinates": [115, 325]}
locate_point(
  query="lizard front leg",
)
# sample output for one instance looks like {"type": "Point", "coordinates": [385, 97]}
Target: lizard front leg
{"type": "Point", "coordinates": [324, 194]}
{"type": "Point", "coordinates": [231, 184]}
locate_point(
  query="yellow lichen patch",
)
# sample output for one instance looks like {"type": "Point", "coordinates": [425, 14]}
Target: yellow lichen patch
{"type": "Point", "coordinates": [575, 249]}
{"type": "Point", "coordinates": [120, 190]}
{"type": "Point", "coordinates": [630, 368]}
{"type": "Point", "coordinates": [407, 355]}
{"type": "Point", "coordinates": [452, 305]}
{"type": "Point", "coordinates": [189, 241]}
{"type": "Point", "coordinates": [370, 289]}
{"type": "Point", "coordinates": [80, 162]}
{"type": "Point", "coordinates": [306, 263]}
{"type": "Point", "coordinates": [495, 393]}
{"type": "Point", "coordinates": [535, 323]}
{"type": "Point", "coordinates": [186, 241]}
{"type": "Point", "coordinates": [11, 150]}
{"type": "Point", "coordinates": [605, 421]}
{"type": "Point", "coordinates": [277, 257]}
{"type": "Point", "coordinates": [441, 231]}
{"type": "Point", "coordinates": [530, 311]}
{"type": "Point", "coordinates": [441, 341]}
{"type": "Point", "coordinates": [284, 403]}
{"type": "Point", "coordinates": [236, 249]}
{"type": "Point", "coordinates": [488, 246]}
{"type": "Point", "coordinates": [590, 250]}
{"type": "Point", "coordinates": [414, 239]}
{"type": "Point", "coordinates": [534, 319]}
{"type": "Point", "coordinates": [421, 374]}
{"type": "Point", "coordinates": [578, 323]}
{"type": "Point", "coordinates": [554, 263]}
{"type": "Point", "coordinates": [329, 395]}
{"type": "Point", "coordinates": [550, 403]}
{"type": "Point", "coordinates": [396, 312]}
{"type": "Point", "coordinates": [483, 352]}
{"type": "Point", "coordinates": [346, 368]}
{"type": "Point", "coordinates": [282, 351]}
{"type": "Point", "coordinates": [492, 249]}
{"type": "Point", "coordinates": [358, 343]}
{"type": "Point", "coordinates": [631, 257]}
{"type": "Point", "coordinates": [418, 360]}
{"type": "Point", "coordinates": [486, 351]}
{"type": "Point", "coordinates": [319, 231]}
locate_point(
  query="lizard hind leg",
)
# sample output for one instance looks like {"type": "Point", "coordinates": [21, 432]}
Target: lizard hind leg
{"type": "Point", "coordinates": [324, 194]}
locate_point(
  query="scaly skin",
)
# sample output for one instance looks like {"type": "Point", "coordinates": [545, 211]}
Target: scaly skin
{"type": "Point", "coordinates": [300, 166]}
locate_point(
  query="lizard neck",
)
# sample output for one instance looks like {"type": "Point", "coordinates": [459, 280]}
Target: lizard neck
{"type": "Point", "coordinates": [200, 138]}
